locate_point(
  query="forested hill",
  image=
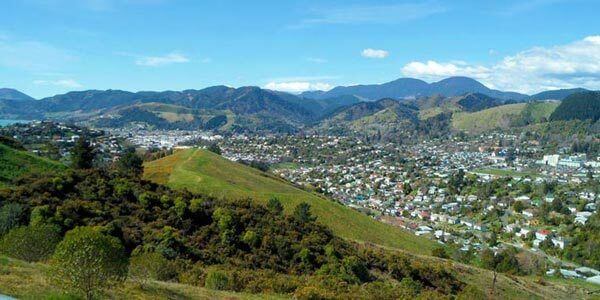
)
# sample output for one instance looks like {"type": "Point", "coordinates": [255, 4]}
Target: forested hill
{"type": "Point", "coordinates": [579, 106]}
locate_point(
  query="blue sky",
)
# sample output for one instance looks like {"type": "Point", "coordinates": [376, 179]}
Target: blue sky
{"type": "Point", "coordinates": [53, 46]}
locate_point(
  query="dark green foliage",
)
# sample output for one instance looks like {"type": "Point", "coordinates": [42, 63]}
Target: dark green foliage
{"type": "Point", "coordinates": [82, 155]}
{"type": "Point", "coordinates": [11, 216]}
{"type": "Point", "coordinates": [31, 243]}
{"type": "Point", "coordinates": [440, 252]}
{"type": "Point", "coordinates": [88, 261]}
{"type": "Point", "coordinates": [275, 206]}
{"type": "Point", "coordinates": [260, 248]}
{"type": "Point", "coordinates": [215, 122]}
{"type": "Point", "coordinates": [302, 213]}
{"type": "Point", "coordinates": [504, 261]}
{"type": "Point", "coordinates": [130, 163]}
{"type": "Point", "coordinates": [10, 142]}
{"type": "Point", "coordinates": [214, 148]}
{"type": "Point", "coordinates": [579, 106]}
{"type": "Point", "coordinates": [583, 247]}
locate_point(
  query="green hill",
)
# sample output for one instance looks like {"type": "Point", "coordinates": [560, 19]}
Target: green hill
{"type": "Point", "coordinates": [579, 106]}
{"type": "Point", "coordinates": [204, 172]}
{"type": "Point", "coordinates": [504, 116]}
{"type": "Point", "coordinates": [15, 163]}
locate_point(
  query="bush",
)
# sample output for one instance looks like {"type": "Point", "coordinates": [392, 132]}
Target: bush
{"type": "Point", "coordinates": [31, 243]}
{"type": "Point", "coordinates": [87, 261]}
{"type": "Point", "coordinates": [217, 280]}
{"type": "Point", "coordinates": [196, 275]}
{"type": "Point", "coordinates": [11, 215]}
{"type": "Point", "coordinates": [440, 252]}
{"type": "Point", "coordinates": [147, 266]}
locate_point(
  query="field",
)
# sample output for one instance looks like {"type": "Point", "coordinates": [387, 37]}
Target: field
{"type": "Point", "coordinates": [15, 163]}
{"type": "Point", "coordinates": [204, 172]}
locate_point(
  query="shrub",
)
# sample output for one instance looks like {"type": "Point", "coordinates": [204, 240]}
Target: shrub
{"type": "Point", "coordinates": [31, 243]}
{"type": "Point", "coordinates": [87, 261]}
{"type": "Point", "coordinates": [217, 280]}
{"type": "Point", "coordinates": [440, 252]}
{"type": "Point", "coordinates": [147, 266]}
{"type": "Point", "coordinates": [313, 292]}
{"type": "Point", "coordinates": [11, 215]}
{"type": "Point", "coordinates": [194, 276]}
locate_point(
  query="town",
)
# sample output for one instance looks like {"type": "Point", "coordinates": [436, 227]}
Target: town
{"type": "Point", "coordinates": [469, 193]}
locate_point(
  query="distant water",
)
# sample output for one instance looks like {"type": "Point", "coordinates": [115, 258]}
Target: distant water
{"type": "Point", "coordinates": [10, 122]}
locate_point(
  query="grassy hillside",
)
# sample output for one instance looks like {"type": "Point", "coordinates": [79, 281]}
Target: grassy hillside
{"type": "Point", "coordinates": [204, 172]}
{"type": "Point", "coordinates": [503, 116]}
{"type": "Point", "coordinates": [15, 163]}
{"type": "Point", "coordinates": [487, 119]}
{"type": "Point", "coordinates": [25, 280]}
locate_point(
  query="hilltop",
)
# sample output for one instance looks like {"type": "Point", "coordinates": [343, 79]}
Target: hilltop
{"type": "Point", "coordinates": [12, 94]}
{"type": "Point", "coordinates": [579, 106]}
{"type": "Point", "coordinates": [207, 173]}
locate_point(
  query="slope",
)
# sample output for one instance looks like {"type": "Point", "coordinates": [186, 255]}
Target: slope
{"type": "Point", "coordinates": [504, 116]}
{"type": "Point", "coordinates": [204, 172]}
{"type": "Point", "coordinates": [579, 106]}
{"type": "Point", "coordinates": [15, 163]}
{"type": "Point", "coordinates": [12, 94]}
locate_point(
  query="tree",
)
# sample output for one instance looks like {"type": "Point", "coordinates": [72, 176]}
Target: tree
{"type": "Point", "coordinates": [518, 206]}
{"type": "Point", "coordinates": [302, 213]}
{"type": "Point", "coordinates": [82, 155]}
{"type": "Point", "coordinates": [87, 261]}
{"type": "Point", "coordinates": [130, 163]}
{"type": "Point", "coordinates": [214, 148]}
{"type": "Point", "coordinates": [31, 243]}
{"type": "Point", "coordinates": [274, 206]}
{"type": "Point", "coordinates": [11, 216]}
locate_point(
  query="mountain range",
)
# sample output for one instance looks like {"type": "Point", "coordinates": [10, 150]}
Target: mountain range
{"type": "Point", "coordinates": [414, 88]}
{"type": "Point", "coordinates": [408, 101]}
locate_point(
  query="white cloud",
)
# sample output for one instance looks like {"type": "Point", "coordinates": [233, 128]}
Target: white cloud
{"type": "Point", "coordinates": [374, 53]}
{"type": "Point", "coordinates": [298, 86]}
{"type": "Point", "coordinates": [65, 83]}
{"type": "Point", "coordinates": [156, 61]}
{"type": "Point", "coordinates": [576, 64]}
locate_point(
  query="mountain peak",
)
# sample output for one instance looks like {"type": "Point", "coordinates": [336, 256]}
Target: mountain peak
{"type": "Point", "coordinates": [12, 94]}
{"type": "Point", "coordinates": [404, 88]}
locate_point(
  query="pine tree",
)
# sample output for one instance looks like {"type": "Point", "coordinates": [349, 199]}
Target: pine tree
{"type": "Point", "coordinates": [82, 155]}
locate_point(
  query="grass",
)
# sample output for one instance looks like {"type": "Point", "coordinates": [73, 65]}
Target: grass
{"type": "Point", "coordinates": [487, 119]}
{"type": "Point", "coordinates": [504, 116]}
{"type": "Point", "coordinates": [15, 163]}
{"type": "Point", "coordinates": [24, 280]}
{"type": "Point", "coordinates": [207, 173]}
